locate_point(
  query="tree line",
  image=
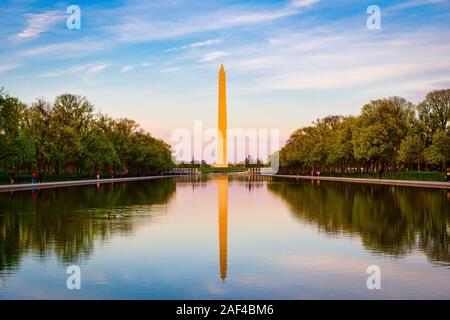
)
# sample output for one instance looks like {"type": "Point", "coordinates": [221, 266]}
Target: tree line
{"type": "Point", "coordinates": [390, 134]}
{"type": "Point", "coordinates": [67, 137]}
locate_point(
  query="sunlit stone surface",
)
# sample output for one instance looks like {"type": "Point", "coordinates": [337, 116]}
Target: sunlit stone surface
{"type": "Point", "coordinates": [222, 123]}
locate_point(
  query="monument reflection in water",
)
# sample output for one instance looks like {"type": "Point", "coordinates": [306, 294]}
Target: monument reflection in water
{"type": "Point", "coordinates": [222, 200]}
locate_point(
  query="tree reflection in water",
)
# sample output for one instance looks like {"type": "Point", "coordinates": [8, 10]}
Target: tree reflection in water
{"type": "Point", "coordinates": [68, 221]}
{"type": "Point", "coordinates": [389, 220]}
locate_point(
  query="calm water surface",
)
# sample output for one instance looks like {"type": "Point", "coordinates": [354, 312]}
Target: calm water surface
{"type": "Point", "coordinates": [224, 237]}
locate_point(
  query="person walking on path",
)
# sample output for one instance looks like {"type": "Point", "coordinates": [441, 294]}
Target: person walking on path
{"type": "Point", "coordinates": [34, 177]}
{"type": "Point", "coordinates": [98, 175]}
{"type": "Point", "coordinates": [11, 178]}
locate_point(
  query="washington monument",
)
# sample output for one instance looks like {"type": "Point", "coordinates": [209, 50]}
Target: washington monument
{"type": "Point", "coordinates": [222, 121]}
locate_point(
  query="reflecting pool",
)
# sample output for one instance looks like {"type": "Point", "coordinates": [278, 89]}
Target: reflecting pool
{"type": "Point", "coordinates": [225, 237]}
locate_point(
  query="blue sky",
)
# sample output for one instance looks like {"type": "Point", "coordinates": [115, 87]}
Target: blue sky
{"type": "Point", "coordinates": [287, 62]}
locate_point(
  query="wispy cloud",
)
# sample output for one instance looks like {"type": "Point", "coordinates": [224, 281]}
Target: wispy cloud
{"type": "Point", "coordinates": [7, 67]}
{"type": "Point", "coordinates": [303, 3]}
{"type": "Point", "coordinates": [63, 72]}
{"type": "Point", "coordinates": [39, 23]}
{"type": "Point", "coordinates": [334, 57]}
{"type": "Point", "coordinates": [92, 71]}
{"type": "Point", "coordinates": [206, 43]}
{"type": "Point", "coordinates": [130, 67]}
{"type": "Point", "coordinates": [88, 70]}
{"type": "Point", "coordinates": [143, 26]}
{"type": "Point", "coordinates": [257, 17]}
{"type": "Point", "coordinates": [83, 71]}
{"type": "Point", "coordinates": [213, 56]}
{"type": "Point", "coordinates": [65, 49]}
{"type": "Point", "coordinates": [141, 29]}
{"type": "Point", "coordinates": [413, 4]}
{"type": "Point", "coordinates": [344, 77]}
{"type": "Point", "coordinates": [125, 69]}
{"type": "Point", "coordinates": [170, 69]}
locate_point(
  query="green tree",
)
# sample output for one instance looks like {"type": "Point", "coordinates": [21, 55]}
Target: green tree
{"type": "Point", "coordinates": [340, 145]}
{"type": "Point", "coordinates": [411, 150]}
{"type": "Point", "coordinates": [434, 113]}
{"type": "Point", "coordinates": [439, 151]}
{"type": "Point", "coordinates": [68, 137]}
{"type": "Point", "coordinates": [98, 151]}
{"type": "Point", "coordinates": [42, 134]}
{"type": "Point", "coordinates": [71, 117]}
{"type": "Point", "coordinates": [14, 143]}
{"type": "Point", "coordinates": [380, 129]}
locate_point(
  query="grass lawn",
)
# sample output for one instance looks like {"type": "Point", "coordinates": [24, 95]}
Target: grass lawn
{"type": "Point", "coordinates": [205, 170]}
{"type": "Point", "coordinates": [411, 175]}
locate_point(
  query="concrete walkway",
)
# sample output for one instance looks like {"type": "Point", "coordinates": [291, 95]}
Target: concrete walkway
{"type": "Point", "coordinates": [61, 184]}
{"type": "Point", "coordinates": [405, 183]}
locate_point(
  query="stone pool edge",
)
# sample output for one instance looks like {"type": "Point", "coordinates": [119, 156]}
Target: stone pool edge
{"type": "Point", "coordinates": [62, 184]}
{"type": "Point", "coordinates": [390, 182]}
